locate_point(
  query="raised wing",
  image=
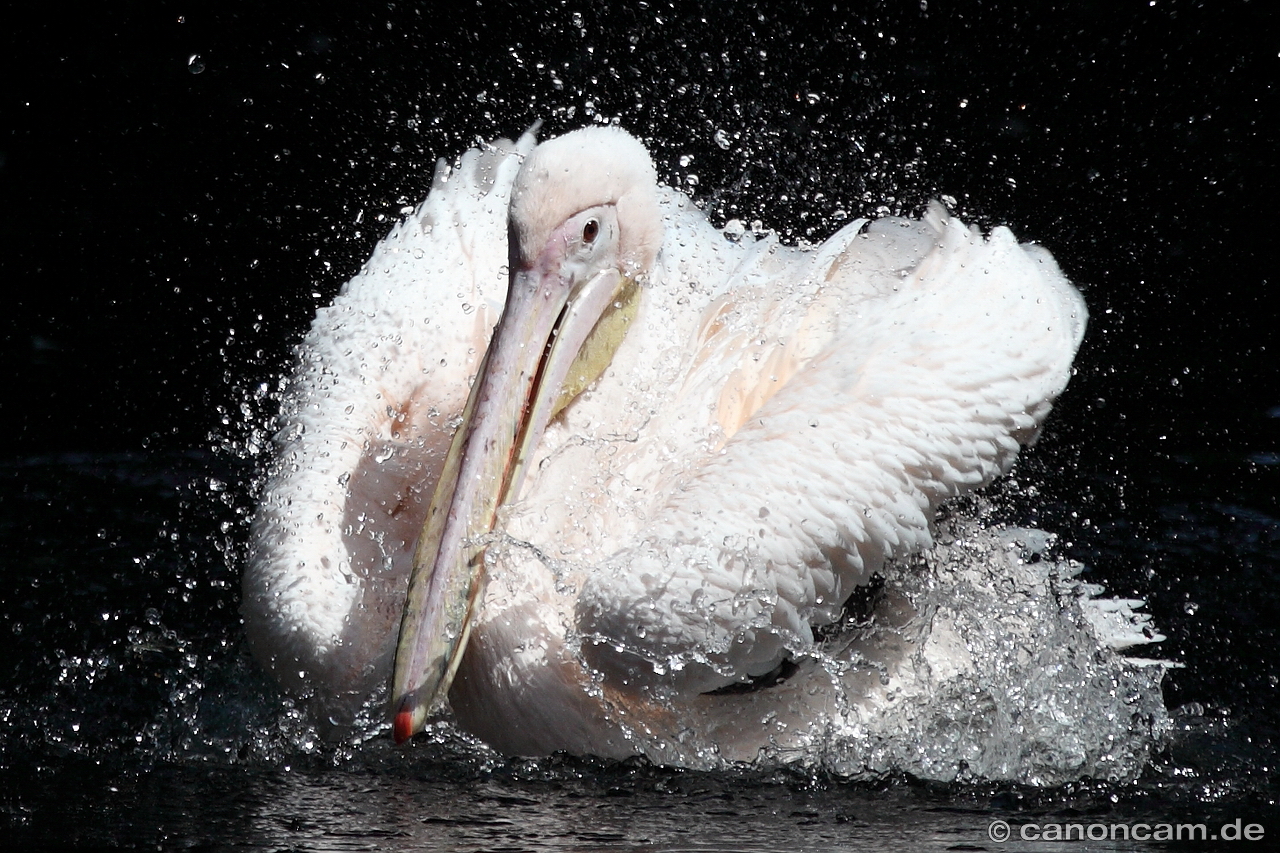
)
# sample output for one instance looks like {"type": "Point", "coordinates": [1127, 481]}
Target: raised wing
{"type": "Point", "coordinates": [917, 359]}
{"type": "Point", "coordinates": [364, 426]}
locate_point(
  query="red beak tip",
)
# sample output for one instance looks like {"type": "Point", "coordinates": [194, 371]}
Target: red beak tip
{"type": "Point", "coordinates": [402, 728]}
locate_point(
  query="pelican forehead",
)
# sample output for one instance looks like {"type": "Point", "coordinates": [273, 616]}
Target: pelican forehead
{"type": "Point", "coordinates": [583, 169]}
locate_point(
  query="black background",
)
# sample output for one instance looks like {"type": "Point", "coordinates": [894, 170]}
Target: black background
{"type": "Point", "coordinates": [149, 210]}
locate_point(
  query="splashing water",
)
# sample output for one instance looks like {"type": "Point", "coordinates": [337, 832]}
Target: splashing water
{"type": "Point", "coordinates": [984, 658]}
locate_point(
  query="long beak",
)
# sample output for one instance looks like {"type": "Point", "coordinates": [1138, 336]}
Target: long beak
{"type": "Point", "coordinates": [520, 388]}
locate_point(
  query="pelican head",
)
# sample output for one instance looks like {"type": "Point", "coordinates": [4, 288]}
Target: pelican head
{"type": "Point", "coordinates": [584, 230]}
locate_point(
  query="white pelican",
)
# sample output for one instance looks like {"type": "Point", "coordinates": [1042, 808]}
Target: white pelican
{"type": "Point", "coordinates": [651, 491]}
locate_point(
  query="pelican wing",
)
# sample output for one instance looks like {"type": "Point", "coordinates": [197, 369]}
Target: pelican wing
{"type": "Point", "coordinates": [903, 364]}
{"type": "Point", "coordinates": [364, 427]}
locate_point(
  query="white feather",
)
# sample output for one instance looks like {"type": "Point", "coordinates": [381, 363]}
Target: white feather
{"type": "Point", "coordinates": [777, 423]}
{"type": "Point", "coordinates": [364, 427]}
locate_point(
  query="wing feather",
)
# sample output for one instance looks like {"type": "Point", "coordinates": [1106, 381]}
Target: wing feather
{"type": "Point", "coordinates": [360, 439]}
{"type": "Point", "coordinates": [940, 353]}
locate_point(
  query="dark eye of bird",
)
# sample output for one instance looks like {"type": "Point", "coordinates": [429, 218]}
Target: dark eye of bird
{"type": "Point", "coordinates": [590, 230]}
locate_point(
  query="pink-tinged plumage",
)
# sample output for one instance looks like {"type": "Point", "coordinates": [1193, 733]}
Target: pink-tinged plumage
{"type": "Point", "coordinates": [775, 424]}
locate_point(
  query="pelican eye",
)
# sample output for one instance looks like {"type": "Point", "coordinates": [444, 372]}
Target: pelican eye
{"type": "Point", "coordinates": [590, 230]}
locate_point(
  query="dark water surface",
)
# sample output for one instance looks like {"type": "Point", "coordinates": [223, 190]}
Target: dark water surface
{"type": "Point", "coordinates": [181, 188]}
{"type": "Point", "coordinates": [579, 808]}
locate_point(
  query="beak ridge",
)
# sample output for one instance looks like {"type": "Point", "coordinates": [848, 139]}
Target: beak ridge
{"type": "Point", "coordinates": [517, 392]}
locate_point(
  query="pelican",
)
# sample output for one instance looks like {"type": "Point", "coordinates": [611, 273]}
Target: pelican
{"type": "Point", "coordinates": [571, 463]}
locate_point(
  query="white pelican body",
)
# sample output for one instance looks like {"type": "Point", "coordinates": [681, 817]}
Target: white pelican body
{"type": "Point", "coordinates": [773, 424]}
